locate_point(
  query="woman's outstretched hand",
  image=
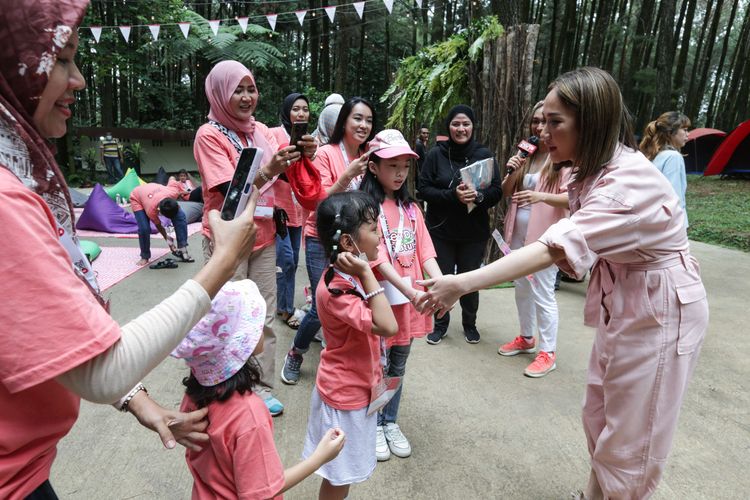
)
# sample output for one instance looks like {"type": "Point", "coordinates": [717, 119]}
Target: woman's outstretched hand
{"type": "Point", "coordinates": [441, 295]}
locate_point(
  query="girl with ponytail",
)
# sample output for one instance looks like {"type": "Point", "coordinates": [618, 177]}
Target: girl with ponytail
{"type": "Point", "coordinates": [662, 141]}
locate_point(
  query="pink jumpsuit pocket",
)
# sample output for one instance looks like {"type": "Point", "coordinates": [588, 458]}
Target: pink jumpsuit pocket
{"type": "Point", "coordinates": [693, 316]}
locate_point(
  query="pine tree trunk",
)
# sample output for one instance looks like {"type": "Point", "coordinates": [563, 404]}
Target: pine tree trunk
{"type": "Point", "coordinates": [678, 82]}
{"type": "Point", "coordinates": [664, 57]}
{"type": "Point", "coordinates": [719, 80]}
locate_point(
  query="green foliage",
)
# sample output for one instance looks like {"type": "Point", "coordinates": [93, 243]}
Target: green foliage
{"type": "Point", "coordinates": [429, 83]}
{"type": "Point", "coordinates": [717, 211]}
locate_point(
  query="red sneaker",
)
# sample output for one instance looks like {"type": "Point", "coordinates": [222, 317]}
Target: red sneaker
{"type": "Point", "coordinates": [516, 346]}
{"type": "Point", "coordinates": [542, 365]}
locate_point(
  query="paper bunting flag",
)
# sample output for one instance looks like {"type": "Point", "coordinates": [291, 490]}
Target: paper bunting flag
{"type": "Point", "coordinates": [331, 11]}
{"type": "Point", "coordinates": [185, 28]}
{"type": "Point", "coordinates": [388, 5]}
{"type": "Point", "coordinates": [360, 8]}
{"type": "Point", "coordinates": [243, 23]}
{"type": "Point", "coordinates": [301, 16]}
{"type": "Point", "coordinates": [419, 3]}
{"type": "Point", "coordinates": [97, 32]}
{"type": "Point", "coordinates": [154, 29]}
{"type": "Point", "coordinates": [125, 30]}
{"type": "Point", "coordinates": [215, 25]}
{"type": "Point", "coordinates": [272, 20]}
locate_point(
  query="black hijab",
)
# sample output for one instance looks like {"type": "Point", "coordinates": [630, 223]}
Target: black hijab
{"type": "Point", "coordinates": [460, 150]}
{"type": "Point", "coordinates": [286, 110]}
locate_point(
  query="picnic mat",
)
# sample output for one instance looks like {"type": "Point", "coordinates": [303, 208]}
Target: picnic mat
{"type": "Point", "coordinates": [115, 264]}
{"type": "Point", "coordinates": [85, 233]}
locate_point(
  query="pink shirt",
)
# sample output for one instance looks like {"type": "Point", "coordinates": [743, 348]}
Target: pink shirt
{"type": "Point", "coordinates": [240, 460]}
{"type": "Point", "coordinates": [542, 215]}
{"type": "Point", "coordinates": [417, 244]}
{"type": "Point", "coordinates": [147, 197]}
{"type": "Point", "coordinates": [283, 196]}
{"type": "Point", "coordinates": [51, 324]}
{"type": "Point", "coordinates": [350, 364]}
{"type": "Point", "coordinates": [217, 160]}
{"type": "Point", "coordinates": [330, 163]}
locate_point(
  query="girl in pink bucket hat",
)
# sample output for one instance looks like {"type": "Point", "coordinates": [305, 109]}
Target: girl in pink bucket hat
{"type": "Point", "coordinates": [240, 460]}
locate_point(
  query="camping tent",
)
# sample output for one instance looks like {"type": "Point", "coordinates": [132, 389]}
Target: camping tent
{"type": "Point", "coordinates": [700, 147]}
{"type": "Point", "coordinates": [732, 157]}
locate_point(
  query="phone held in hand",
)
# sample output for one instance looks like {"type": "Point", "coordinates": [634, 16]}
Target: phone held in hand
{"type": "Point", "coordinates": [241, 186]}
{"type": "Point", "coordinates": [299, 129]}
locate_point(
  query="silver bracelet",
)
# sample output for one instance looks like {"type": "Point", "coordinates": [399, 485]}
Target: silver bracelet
{"type": "Point", "coordinates": [126, 400]}
{"type": "Point", "coordinates": [263, 175]}
{"type": "Point", "coordinates": [374, 293]}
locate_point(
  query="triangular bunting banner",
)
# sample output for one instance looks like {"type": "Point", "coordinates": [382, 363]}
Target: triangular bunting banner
{"type": "Point", "coordinates": [419, 3]}
{"type": "Point", "coordinates": [214, 23]}
{"type": "Point", "coordinates": [154, 29]}
{"type": "Point", "coordinates": [97, 32]}
{"type": "Point", "coordinates": [125, 30]}
{"type": "Point", "coordinates": [243, 23]}
{"type": "Point", "coordinates": [360, 8]}
{"type": "Point", "coordinates": [272, 20]}
{"type": "Point", "coordinates": [301, 16]}
{"type": "Point", "coordinates": [388, 5]}
{"type": "Point", "coordinates": [331, 11]}
{"type": "Point", "coordinates": [185, 28]}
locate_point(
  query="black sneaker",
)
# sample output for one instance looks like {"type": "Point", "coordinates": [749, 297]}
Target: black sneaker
{"type": "Point", "coordinates": [435, 337]}
{"type": "Point", "coordinates": [291, 369]}
{"type": "Point", "coordinates": [471, 335]}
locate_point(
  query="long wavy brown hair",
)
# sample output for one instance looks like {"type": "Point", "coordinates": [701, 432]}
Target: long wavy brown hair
{"type": "Point", "coordinates": [659, 134]}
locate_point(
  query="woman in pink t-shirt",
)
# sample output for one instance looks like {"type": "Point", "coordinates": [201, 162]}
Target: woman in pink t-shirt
{"type": "Point", "coordinates": [58, 343]}
{"type": "Point", "coordinates": [295, 108]}
{"type": "Point", "coordinates": [645, 295]}
{"type": "Point", "coordinates": [233, 96]}
{"type": "Point", "coordinates": [356, 319]}
{"type": "Point", "coordinates": [341, 164]}
{"type": "Point", "coordinates": [539, 199]}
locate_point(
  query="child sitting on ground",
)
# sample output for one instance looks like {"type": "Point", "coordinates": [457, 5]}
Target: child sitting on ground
{"type": "Point", "coordinates": [240, 459]}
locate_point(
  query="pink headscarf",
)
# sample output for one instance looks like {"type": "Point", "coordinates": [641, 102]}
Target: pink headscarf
{"type": "Point", "coordinates": [221, 83]}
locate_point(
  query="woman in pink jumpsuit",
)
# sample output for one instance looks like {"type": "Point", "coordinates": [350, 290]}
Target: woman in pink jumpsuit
{"type": "Point", "coordinates": [645, 297]}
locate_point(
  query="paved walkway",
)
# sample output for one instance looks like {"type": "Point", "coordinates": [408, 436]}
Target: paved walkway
{"type": "Point", "coordinates": [478, 427]}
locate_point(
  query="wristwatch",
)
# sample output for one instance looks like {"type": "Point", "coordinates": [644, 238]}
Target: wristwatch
{"type": "Point", "coordinates": [480, 197]}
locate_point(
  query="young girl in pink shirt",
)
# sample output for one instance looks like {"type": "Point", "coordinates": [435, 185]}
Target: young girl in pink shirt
{"type": "Point", "coordinates": [539, 199]}
{"type": "Point", "coordinates": [356, 317]}
{"type": "Point", "coordinates": [406, 251]}
{"type": "Point", "coordinates": [240, 459]}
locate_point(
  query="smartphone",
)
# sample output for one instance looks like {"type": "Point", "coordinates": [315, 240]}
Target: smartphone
{"type": "Point", "coordinates": [241, 186]}
{"type": "Point", "coordinates": [299, 129]}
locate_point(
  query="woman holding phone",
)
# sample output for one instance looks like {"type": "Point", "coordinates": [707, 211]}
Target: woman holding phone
{"type": "Point", "coordinates": [288, 213]}
{"type": "Point", "coordinates": [341, 164]}
{"type": "Point", "coordinates": [233, 96]}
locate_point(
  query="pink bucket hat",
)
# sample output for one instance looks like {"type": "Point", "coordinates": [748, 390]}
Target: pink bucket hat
{"type": "Point", "coordinates": [223, 340]}
{"type": "Point", "coordinates": [390, 143]}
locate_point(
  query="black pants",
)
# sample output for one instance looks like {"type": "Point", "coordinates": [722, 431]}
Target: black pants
{"type": "Point", "coordinates": [462, 256]}
{"type": "Point", "coordinates": [43, 492]}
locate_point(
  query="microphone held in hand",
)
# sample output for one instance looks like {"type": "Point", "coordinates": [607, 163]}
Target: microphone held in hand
{"type": "Point", "coordinates": [528, 147]}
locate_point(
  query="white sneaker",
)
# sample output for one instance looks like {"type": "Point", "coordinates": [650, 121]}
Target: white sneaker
{"type": "Point", "coordinates": [382, 452]}
{"type": "Point", "coordinates": [397, 442]}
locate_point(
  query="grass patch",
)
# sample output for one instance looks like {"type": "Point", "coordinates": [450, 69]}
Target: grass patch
{"type": "Point", "coordinates": [719, 211]}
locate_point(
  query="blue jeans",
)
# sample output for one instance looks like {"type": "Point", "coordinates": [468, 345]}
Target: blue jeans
{"type": "Point", "coordinates": [317, 263]}
{"type": "Point", "coordinates": [287, 258]}
{"type": "Point", "coordinates": [396, 357]}
{"type": "Point", "coordinates": [144, 231]}
{"type": "Point", "coordinates": [114, 168]}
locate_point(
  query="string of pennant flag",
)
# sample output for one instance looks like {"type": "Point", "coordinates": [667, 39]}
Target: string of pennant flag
{"type": "Point", "coordinates": [243, 21]}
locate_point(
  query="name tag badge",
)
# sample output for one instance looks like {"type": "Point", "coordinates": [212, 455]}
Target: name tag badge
{"type": "Point", "coordinates": [394, 296]}
{"type": "Point", "coordinates": [264, 208]}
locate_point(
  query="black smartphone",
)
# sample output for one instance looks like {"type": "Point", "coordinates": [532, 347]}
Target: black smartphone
{"type": "Point", "coordinates": [241, 186]}
{"type": "Point", "coordinates": [299, 129]}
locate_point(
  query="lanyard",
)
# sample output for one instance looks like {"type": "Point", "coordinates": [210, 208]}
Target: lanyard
{"type": "Point", "coordinates": [233, 137]}
{"type": "Point", "coordinates": [355, 183]}
{"type": "Point", "coordinates": [394, 250]}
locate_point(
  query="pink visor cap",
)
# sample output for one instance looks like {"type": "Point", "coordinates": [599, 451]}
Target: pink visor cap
{"type": "Point", "coordinates": [223, 340]}
{"type": "Point", "coordinates": [390, 143]}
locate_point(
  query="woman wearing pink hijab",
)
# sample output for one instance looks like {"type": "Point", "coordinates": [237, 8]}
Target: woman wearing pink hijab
{"type": "Point", "coordinates": [233, 97]}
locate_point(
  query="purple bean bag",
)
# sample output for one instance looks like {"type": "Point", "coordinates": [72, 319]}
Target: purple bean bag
{"type": "Point", "coordinates": [102, 213]}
